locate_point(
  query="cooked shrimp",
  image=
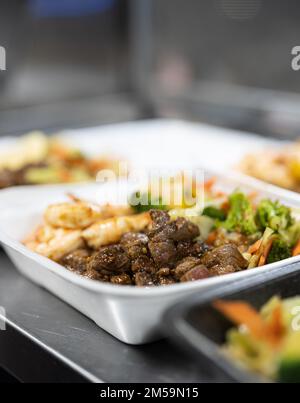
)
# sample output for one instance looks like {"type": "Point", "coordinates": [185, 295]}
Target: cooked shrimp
{"type": "Point", "coordinates": [80, 215]}
{"type": "Point", "coordinates": [54, 243]}
{"type": "Point", "coordinates": [110, 231]}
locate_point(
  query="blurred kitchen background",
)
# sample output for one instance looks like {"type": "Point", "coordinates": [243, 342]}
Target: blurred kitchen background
{"type": "Point", "coordinates": [74, 63]}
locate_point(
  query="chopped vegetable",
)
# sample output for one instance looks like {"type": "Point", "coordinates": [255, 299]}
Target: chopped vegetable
{"type": "Point", "coordinates": [255, 247]}
{"type": "Point", "coordinates": [296, 250]}
{"type": "Point", "coordinates": [265, 341]}
{"type": "Point", "coordinates": [258, 259]}
{"type": "Point", "coordinates": [241, 215]}
{"type": "Point", "coordinates": [280, 250]}
{"type": "Point", "coordinates": [273, 215]}
{"type": "Point", "coordinates": [240, 313]}
{"type": "Point", "coordinates": [214, 212]}
{"type": "Point", "coordinates": [289, 367]}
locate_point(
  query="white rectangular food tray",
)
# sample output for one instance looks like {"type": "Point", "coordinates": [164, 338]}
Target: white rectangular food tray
{"type": "Point", "coordinates": [159, 142]}
{"type": "Point", "coordinates": [131, 314]}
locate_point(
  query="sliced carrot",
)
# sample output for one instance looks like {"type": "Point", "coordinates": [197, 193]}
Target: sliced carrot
{"type": "Point", "coordinates": [265, 254]}
{"type": "Point", "coordinates": [209, 184]}
{"type": "Point", "coordinates": [255, 247]}
{"type": "Point", "coordinates": [212, 237]}
{"type": "Point", "coordinates": [276, 325]}
{"type": "Point", "coordinates": [225, 206]}
{"type": "Point", "coordinates": [242, 313]}
{"type": "Point", "coordinates": [296, 250]}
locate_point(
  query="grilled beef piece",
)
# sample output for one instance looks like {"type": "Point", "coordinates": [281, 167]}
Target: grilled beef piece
{"type": "Point", "coordinates": [186, 265]}
{"type": "Point", "coordinates": [168, 280]}
{"type": "Point", "coordinates": [164, 276]}
{"type": "Point", "coordinates": [199, 272]}
{"type": "Point", "coordinates": [143, 279]}
{"type": "Point", "coordinates": [76, 261]}
{"type": "Point", "coordinates": [224, 256]}
{"type": "Point", "coordinates": [121, 279]}
{"type": "Point", "coordinates": [184, 230]}
{"type": "Point", "coordinates": [163, 251]}
{"type": "Point", "coordinates": [159, 218]}
{"type": "Point", "coordinates": [135, 244]}
{"type": "Point", "coordinates": [166, 235]}
{"type": "Point", "coordinates": [109, 260]}
{"type": "Point", "coordinates": [191, 248]}
{"type": "Point", "coordinates": [143, 263]}
{"type": "Point", "coordinates": [222, 270]}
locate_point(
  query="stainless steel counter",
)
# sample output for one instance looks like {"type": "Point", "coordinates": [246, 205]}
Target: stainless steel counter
{"type": "Point", "coordinates": [46, 340]}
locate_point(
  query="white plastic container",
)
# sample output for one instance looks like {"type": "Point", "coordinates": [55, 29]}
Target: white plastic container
{"type": "Point", "coordinates": [131, 314]}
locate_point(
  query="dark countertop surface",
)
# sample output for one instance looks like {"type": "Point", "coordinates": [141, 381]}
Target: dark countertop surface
{"type": "Point", "coordinates": [47, 340]}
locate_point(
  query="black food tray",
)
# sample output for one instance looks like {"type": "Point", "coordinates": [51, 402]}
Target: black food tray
{"type": "Point", "coordinates": [201, 330]}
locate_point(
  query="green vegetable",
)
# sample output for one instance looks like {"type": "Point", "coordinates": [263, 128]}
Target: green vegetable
{"type": "Point", "coordinates": [292, 234]}
{"type": "Point", "coordinates": [241, 217]}
{"type": "Point", "coordinates": [214, 212]}
{"type": "Point", "coordinates": [280, 251]}
{"type": "Point", "coordinates": [146, 203]}
{"type": "Point", "coordinates": [274, 215]}
{"type": "Point", "coordinates": [289, 368]}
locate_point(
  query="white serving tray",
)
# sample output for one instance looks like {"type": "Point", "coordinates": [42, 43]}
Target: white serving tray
{"type": "Point", "coordinates": [131, 314]}
{"type": "Point", "coordinates": [163, 143]}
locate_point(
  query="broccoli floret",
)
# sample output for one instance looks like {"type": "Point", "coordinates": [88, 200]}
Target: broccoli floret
{"type": "Point", "coordinates": [273, 215]}
{"type": "Point", "coordinates": [214, 212]}
{"type": "Point", "coordinates": [280, 250]}
{"type": "Point", "coordinates": [147, 203]}
{"type": "Point", "coordinates": [241, 216]}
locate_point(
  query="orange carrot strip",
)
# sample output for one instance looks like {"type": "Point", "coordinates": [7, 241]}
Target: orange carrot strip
{"type": "Point", "coordinates": [296, 250]}
{"type": "Point", "coordinates": [211, 237]}
{"type": "Point", "coordinates": [276, 326]}
{"type": "Point", "coordinates": [241, 313]}
{"type": "Point", "coordinates": [265, 254]}
{"type": "Point", "coordinates": [255, 247]}
{"type": "Point", "coordinates": [225, 206]}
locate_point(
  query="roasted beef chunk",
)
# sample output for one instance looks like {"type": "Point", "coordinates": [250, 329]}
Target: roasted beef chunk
{"type": "Point", "coordinates": [186, 265]}
{"type": "Point", "coordinates": [159, 218]}
{"type": "Point", "coordinates": [121, 279]}
{"type": "Point", "coordinates": [143, 279]}
{"type": "Point", "coordinates": [134, 244]}
{"type": "Point", "coordinates": [199, 272]}
{"type": "Point", "coordinates": [168, 253]}
{"type": "Point", "coordinates": [76, 261]}
{"type": "Point", "coordinates": [109, 260]}
{"type": "Point", "coordinates": [163, 251]}
{"type": "Point", "coordinates": [191, 248]}
{"type": "Point", "coordinates": [222, 270]}
{"type": "Point", "coordinates": [185, 230]}
{"type": "Point", "coordinates": [166, 235]}
{"type": "Point", "coordinates": [143, 263]}
{"type": "Point", "coordinates": [226, 258]}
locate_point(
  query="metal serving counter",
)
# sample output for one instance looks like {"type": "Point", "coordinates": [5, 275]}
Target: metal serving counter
{"type": "Point", "coordinates": [48, 341]}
